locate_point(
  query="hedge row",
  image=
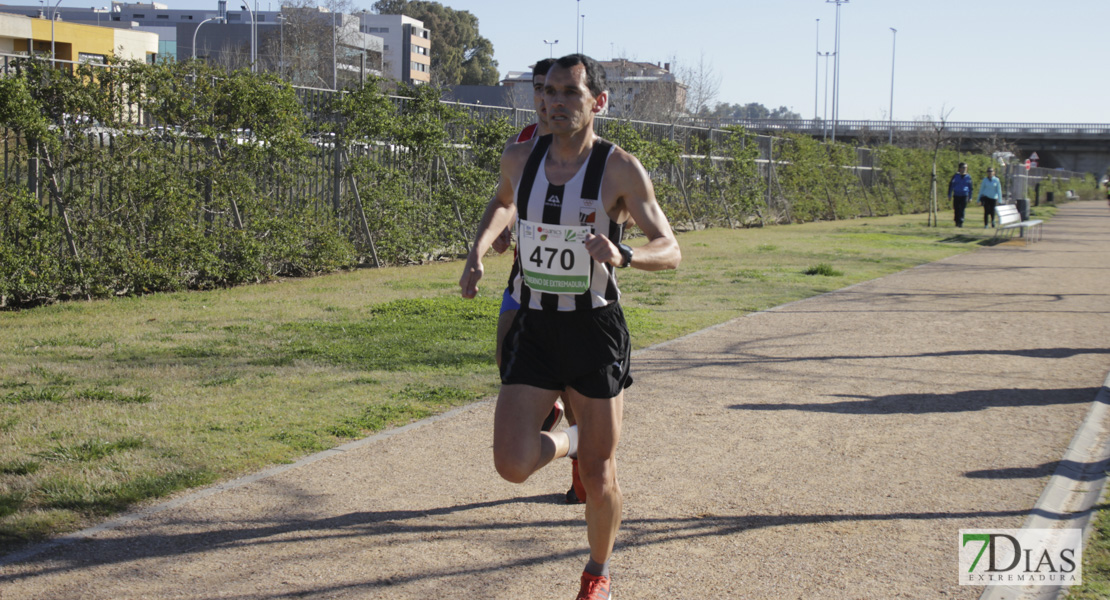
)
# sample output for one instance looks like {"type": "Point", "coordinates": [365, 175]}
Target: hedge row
{"type": "Point", "coordinates": [141, 178]}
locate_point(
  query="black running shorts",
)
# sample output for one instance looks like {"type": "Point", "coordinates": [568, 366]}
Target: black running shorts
{"type": "Point", "coordinates": [587, 350]}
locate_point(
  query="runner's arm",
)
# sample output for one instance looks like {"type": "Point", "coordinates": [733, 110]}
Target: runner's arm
{"type": "Point", "coordinates": [627, 177]}
{"type": "Point", "coordinates": [499, 213]}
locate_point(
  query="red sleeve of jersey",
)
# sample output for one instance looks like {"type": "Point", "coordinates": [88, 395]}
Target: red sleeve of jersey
{"type": "Point", "coordinates": [527, 133]}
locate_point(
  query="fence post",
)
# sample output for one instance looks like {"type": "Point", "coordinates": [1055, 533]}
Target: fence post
{"type": "Point", "coordinates": [337, 177]}
{"type": "Point", "coordinates": [33, 174]}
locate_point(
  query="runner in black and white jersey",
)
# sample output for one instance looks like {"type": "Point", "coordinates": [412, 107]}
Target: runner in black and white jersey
{"type": "Point", "coordinates": [574, 192]}
{"type": "Point", "coordinates": [576, 494]}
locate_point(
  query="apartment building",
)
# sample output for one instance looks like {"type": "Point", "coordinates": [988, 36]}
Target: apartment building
{"type": "Point", "coordinates": [338, 39]}
{"type": "Point", "coordinates": [408, 46]}
{"type": "Point", "coordinates": [23, 34]}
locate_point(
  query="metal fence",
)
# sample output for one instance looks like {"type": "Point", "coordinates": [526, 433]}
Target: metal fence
{"type": "Point", "coordinates": [322, 184]}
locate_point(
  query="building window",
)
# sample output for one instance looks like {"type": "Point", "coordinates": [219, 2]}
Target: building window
{"type": "Point", "coordinates": [162, 16]}
{"type": "Point", "coordinates": [385, 48]}
{"type": "Point", "coordinates": [138, 16]}
{"type": "Point", "coordinates": [421, 50]}
{"type": "Point", "coordinates": [234, 17]}
{"type": "Point", "coordinates": [189, 17]}
{"type": "Point", "coordinates": [261, 18]}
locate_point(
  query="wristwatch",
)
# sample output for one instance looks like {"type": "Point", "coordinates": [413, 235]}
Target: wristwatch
{"type": "Point", "coordinates": [626, 255]}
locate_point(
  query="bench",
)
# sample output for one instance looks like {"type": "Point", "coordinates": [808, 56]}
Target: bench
{"type": "Point", "coordinates": [1007, 218]}
{"type": "Point", "coordinates": [1070, 195]}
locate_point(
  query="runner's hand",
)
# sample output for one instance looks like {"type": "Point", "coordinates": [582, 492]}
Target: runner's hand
{"type": "Point", "coordinates": [503, 241]}
{"type": "Point", "coordinates": [602, 250]}
{"type": "Point", "coordinates": [472, 272]}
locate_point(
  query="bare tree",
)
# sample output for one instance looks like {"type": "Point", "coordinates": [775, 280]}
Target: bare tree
{"type": "Point", "coordinates": [937, 136]}
{"type": "Point", "coordinates": [703, 84]}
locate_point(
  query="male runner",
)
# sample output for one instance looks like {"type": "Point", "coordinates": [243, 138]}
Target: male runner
{"type": "Point", "coordinates": [576, 494]}
{"type": "Point", "coordinates": [570, 333]}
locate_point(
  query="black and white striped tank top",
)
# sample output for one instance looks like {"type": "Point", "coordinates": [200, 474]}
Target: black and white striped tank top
{"type": "Point", "coordinates": [577, 202]}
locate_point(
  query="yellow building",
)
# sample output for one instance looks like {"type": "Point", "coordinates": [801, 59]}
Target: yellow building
{"type": "Point", "coordinates": [72, 41]}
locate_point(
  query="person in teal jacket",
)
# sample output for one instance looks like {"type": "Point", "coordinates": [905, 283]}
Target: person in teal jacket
{"type": "Point", "coordinates": [990, 196]}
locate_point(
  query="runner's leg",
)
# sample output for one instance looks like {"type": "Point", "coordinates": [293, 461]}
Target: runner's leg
{"type": "Point", "coordinates": [503, 323]}
{"type": "Point", "coordinates": [599, 428]}
{"type": "Point", "coordinates": [519, 447]}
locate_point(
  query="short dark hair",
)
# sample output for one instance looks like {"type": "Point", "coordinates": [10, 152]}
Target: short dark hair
{"type": "Point", "coordinates": [595, 74]}
{"type": "Point", "coordinates": [961, 165]}
{"type": "Point", "coordinates": [542, 67]}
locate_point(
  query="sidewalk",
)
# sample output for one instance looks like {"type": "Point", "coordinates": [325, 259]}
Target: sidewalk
{"type": "Point", "coordinates": [829, 448]}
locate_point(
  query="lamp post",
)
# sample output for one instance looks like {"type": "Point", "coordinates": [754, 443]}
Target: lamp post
{"type": "Point", "coordinates": [836, 67]}
{"type": "Point", "coordinates": [583, 48]}
{"type": "Point", "coordinates": [247, 6]}
{"type": "Point", "coordinates": [195, 31]}
{"type": "Point", "coordinates": [551, 48]}
{"type": "Point", "coordinates": [893, 47]}
{"type": "Point", "coordinates": [334, 45]}
{"type": "Point", "coordinates": [825, 121]}
{"type": "Point", "coordinates": [281, 45]}
{"type": "Point", "coordinates": [577, 11]}
{"type": "Point", "coordinates": [53, 17]}
{"type": "Point", "coordinates": [816, 69]}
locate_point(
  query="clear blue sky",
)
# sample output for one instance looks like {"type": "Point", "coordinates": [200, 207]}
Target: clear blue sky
{"type": "Point", "coordinates": [985, 60]}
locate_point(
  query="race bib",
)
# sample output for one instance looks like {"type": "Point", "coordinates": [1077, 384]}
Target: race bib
{"type": "Point", "coordinates": [553, 258]}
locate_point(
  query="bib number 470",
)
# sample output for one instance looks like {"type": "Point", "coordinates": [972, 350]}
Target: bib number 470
{"type": "Point", "coordinates": [566, 258]}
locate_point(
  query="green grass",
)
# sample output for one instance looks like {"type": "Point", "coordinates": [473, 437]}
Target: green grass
{"type": "Point", "coordinates": [1096, 562]}
{"type": "Point", "coordinates": [109, 404]}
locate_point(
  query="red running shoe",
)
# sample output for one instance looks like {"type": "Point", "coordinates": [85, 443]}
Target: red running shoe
{"type": "Point", "coordinates": [594, 587]}
{"type": "Point", "coordinates": [577, 492]}
{"type": "Point", "coordinates": [553, 417]}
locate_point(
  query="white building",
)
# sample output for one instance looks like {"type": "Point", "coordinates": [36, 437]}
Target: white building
{"type": "Point", "coordinates": [407, 46]}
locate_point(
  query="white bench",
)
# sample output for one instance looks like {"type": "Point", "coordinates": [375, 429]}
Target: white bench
{"type": "Point", "coordinates": [1070, 195]}
{"type": "Point", "coordinates": [1007, 218]}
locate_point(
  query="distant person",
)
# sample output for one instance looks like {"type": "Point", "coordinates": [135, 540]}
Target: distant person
{"type": "Point", "coordinates": [990, 196]}
{"type": "Point", "coordinates": [959, 190]}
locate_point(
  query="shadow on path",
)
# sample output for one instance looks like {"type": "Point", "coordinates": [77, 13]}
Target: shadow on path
{"type": "Point", "coordinates": [638, 533]}
{"type": "Point", "coordinates": [967, 401]}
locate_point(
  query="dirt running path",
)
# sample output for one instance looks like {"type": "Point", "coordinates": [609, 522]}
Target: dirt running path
{"type": "Point", "coordinates": [828, 448]}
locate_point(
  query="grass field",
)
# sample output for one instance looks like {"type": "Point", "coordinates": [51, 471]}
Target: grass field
{"type": "Point", "coordinates": [109, 404]}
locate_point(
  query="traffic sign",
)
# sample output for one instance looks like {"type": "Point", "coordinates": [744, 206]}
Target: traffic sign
{"type": "Point", "coordinates": [1028, 164]}
{"type": "Point", "coordinates": [1034, 157]}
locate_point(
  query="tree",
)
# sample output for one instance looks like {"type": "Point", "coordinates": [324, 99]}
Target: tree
{"type": "Point", "coordinates": [460, 56]}
{"type": "Point", "coordinates": [702, 85]}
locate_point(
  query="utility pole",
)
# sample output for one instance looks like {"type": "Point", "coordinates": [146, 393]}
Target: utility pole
{"type": "Point", "coordinates": [836, 67]}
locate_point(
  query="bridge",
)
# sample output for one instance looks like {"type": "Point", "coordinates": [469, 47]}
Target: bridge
{"type": "Point", "coordinates": [1083, 147]}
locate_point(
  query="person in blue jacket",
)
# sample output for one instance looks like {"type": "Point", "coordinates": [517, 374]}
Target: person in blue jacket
{"type": "Point", "coordinates": [990, 196]}
{"type": "Point", "coordinates": [959, 190]}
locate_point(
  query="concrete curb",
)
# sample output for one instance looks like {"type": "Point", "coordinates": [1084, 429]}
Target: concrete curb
{"type": "Point", "coordinates": [1074, 489]}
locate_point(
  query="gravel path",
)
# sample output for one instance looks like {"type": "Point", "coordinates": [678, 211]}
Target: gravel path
{"type": "Point", "coordinates": [829, 448]}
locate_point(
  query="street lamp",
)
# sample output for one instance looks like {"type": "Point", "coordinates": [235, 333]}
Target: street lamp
{"type": "Point", "coordinates": [577, 11]}
{"type": "Point", "coordinates": [583, 48]}
{"type": "Point", "coordinates": [281, 45]}
{"type": "Point", "coordinates": [836, 67]}
{"type": "Point", "coordinates": [247, 6]}
{"type": "Point", "coordinates": [53, 17]}
{"type": "Point", "coordinates": [816, 69]}
{"type": "Point", "coordinates": [197, 30]}
{"type": "Point", "coordinates": [825, 121]}
{"type": "Point", "coordinates": [551, 48]}
{"type": "Point", "coordinates": [893, 47]}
